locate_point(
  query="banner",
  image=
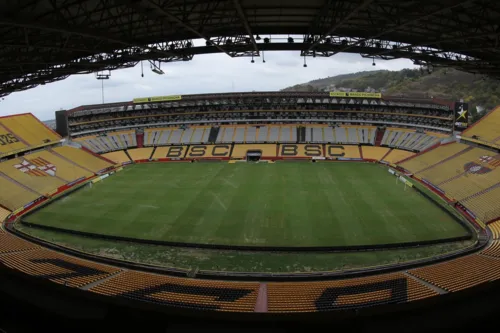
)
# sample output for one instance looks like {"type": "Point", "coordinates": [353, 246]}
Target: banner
{"type": "Point", "coordinates": [349, 159]}
{"type": "Point", "coordinates": [391, 171]}
{"type": "Point", "coordinates": [158, 99]}
{"type": "Point", "coordinates": [461, 116]}
{"type": "Point", "coordinates": [355, 94]}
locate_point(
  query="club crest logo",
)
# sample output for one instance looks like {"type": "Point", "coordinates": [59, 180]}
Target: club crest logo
{"type": "Point", "coordinates": [483, 165]}
{"type": "Point", "coordinates": [37, 167]}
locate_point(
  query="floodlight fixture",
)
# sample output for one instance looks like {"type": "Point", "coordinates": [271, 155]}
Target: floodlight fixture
{"type": "Point", "coordinates": [156, 68]}
{"type": "Point", "coordinates": [290, 40]}
{"type": "Point", "coordinates": [157, 71]}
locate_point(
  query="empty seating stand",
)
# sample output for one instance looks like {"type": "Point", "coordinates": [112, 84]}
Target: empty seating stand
{"type": "Point", "coordinates": [182, 292]}
{"type": "Point", "coordinates": [432, 157]}
{"type": "Point", "coordinates": [3, 215]}
{"type": "Point", "coordinates": [83, 158]}
{"type": "Point", "coordinates": [374, 153]}
{"type": "Point", "coordinates": [140, 153]}
{"type": "Point", "coordinates": [396, 155]}
{"type": "Point", "coordinates": [495, 229]}
{"type": "Point", "coordinates": [24, 132]}
{"type": "Point", "coordinates": [344, 294]}
{"type": "Point", "coordinates": [461, 273]}
{"type": "Point", "coordinates": [56, 267]}
{"type": "Point", "coordinates": [15, 195]}
{"type": "Point", "coordinates": [487, 128]}
{"type": "Point", "coordinates": [26, 172]}
{"type": "Point", "coordinates": [119, 157]}
{"type": "Point", "coordinates": [410, 139]}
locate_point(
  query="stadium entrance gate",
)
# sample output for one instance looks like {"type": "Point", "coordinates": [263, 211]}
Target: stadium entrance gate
{"type": "Point", "coordinates": [254, 155]}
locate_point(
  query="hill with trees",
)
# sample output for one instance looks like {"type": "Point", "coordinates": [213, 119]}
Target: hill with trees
{"type": "Point", "coordinates": [482, 93]}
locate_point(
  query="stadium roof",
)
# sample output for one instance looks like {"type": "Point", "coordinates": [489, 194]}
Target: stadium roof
{"type": "Point", "coordinates": [48, 40]}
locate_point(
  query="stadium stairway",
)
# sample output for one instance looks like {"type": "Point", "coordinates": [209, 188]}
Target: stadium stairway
{"type": "Point", "coordinates": [379, 136]}
{"type": "Point", "coordinates": [214, 133]}
{"type": "Point", "coordinates": [128, 155]}
{"type": "Point", "coordinates": [140, 139]}
{"type": "Point", "coordinates": [301, 134]}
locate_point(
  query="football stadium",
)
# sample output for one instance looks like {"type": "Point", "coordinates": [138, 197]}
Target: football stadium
{"type": "Point", "coordinates": [259, 206]}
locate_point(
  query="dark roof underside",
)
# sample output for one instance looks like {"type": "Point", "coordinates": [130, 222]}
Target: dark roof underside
{"type": "Point", "coordinates": [47, 40]}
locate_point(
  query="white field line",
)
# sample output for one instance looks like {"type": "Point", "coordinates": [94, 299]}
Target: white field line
{"type": "Point", "coordinates": [229, 183]}
{"type": "Point", "coordinates": [218, 200]}
{"type": "Point", "coordinates": [148, 206]}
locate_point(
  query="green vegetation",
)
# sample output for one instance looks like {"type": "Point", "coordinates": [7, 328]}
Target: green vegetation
{"type": "Point", "coordinates": [241, 261]}
{"type": "Point", "coordinates": [288, 204]}
{"type": "Point", "coordinates": [444, 83]}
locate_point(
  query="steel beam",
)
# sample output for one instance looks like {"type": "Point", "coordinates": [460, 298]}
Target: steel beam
{"type": "Point", "coordinates": [404, 24]}
{"type": "Point", "coordinates": [338, 24]}
{"type": "Point", "coordinates": [89, 33]}
{"type": "Point", "coordinates": [175, 19]}
{"type": "Point", "coordinates": [244, 20]}
{"type": "Point", "coordinates": [439, 41]}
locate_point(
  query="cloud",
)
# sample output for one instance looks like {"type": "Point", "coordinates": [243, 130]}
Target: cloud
{"type": "Point", "coordinates": [213, 73]}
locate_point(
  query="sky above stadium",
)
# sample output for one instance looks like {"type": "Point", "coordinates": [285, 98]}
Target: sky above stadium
{"type": "Point", "coordinates": [214, 73]}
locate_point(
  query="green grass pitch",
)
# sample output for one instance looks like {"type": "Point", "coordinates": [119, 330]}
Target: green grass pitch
{"type": "Point", "coordinates": [282, 204]}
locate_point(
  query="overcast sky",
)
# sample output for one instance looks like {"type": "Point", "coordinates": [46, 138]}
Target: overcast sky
{"type": "Point", "coordinates": [212, 73]}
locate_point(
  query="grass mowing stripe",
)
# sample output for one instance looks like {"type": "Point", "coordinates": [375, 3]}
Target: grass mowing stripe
{"type": "Point", "coordinates": [282, 204]}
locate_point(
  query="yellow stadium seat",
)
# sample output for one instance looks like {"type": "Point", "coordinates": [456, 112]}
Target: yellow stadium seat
{"type": "Point", "coordinates": [397, 155]}
{"type": "Point", "coordinates": [33, 173]}
{"type": "Point", "coordinates": [140, 153]}
{"type": "Point", "coordinates": [374, 153]}
{"type": "Point", "coordinates": [432, 157]}
{"type": "Point", "coordinates": [351, 152]}
{"type": "Point", "coordinates": [495, 229]}
{"type": "Point", "coordinates": [487, 128]}
{"type": "Point", "coordinates": [486, 206]}
{"type": "Point", "coordinates": [3, 214]}
{"type": "Point", "coordinates": [118, 157]}
{"type": "Point", "coordinates": [13, 195]}
{"type": "Point", "coordinates": [64, 169]}
{"type": "Point", "coordinates": [24, 131]}
{"type": "Point", "coordinates": [452, 167]}
{"type": "Point", "coordinates": [82, 158]}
